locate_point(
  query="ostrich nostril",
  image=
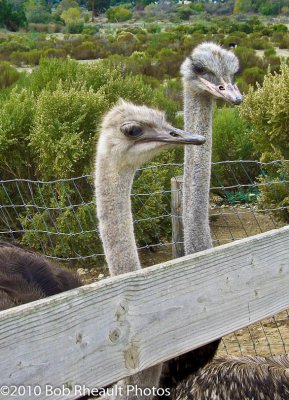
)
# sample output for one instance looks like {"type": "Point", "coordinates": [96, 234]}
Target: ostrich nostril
{"type": "Point", "coordinates": [221, 87]}
{"type": "Point", "coordinates": [174, 134]}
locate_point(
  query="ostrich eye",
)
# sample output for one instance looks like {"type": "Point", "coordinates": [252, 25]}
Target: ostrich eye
{"type": "Point", "coordinates": [199, 69]}
{"type": "Point", "coordinates": [132, 131]}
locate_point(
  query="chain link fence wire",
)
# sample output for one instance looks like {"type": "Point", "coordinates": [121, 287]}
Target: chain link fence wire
{"type": "Point", "coordinates": [58, 219]}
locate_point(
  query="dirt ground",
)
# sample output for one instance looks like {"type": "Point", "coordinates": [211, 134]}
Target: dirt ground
{"type": "Point", "coordinates": [279, 52]}
{"type": "Point", "coordinates": [268, 337]}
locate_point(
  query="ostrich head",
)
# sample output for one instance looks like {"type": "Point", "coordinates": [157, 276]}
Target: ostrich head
{"type": "Point", "coordinates": [131, 135]}
{"type": "Point", "coordinates": [211, 69]}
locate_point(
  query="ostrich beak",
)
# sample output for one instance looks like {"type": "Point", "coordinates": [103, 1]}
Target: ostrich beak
{"type": "Point", "coordinates": [227, 91]}
{"type": "Point", "coordinates": [177, 136]}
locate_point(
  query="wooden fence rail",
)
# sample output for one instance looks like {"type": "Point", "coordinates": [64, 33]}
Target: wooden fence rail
{"type": "Point", "coordinates": [99, 333]}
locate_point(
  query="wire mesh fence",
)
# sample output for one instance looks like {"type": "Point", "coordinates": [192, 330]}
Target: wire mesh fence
{"type": "Point", "coordinates": [58, 219]}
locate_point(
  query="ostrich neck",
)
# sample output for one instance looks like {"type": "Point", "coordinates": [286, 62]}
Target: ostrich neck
{"type": "Point", "coordinates": [113, 189]}
{"type": "Point", "coordinates": [198, 111]}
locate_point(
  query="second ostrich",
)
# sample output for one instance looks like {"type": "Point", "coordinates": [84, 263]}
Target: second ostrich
{"type": "Point", "coordinates": [130, 135]}
{"type": "Point", "coordinates": [208, 73]}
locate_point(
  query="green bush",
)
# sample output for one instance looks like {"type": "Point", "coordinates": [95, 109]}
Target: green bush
{"type": "Point", "coordinates": [239, 39]}
{"type": "Point", "coordinates": [154, 28]}
{"type": "Point", "coordinates": [31, 57]}
{"type": "Point", "coordinates": [284, 43]}
{"type": "Point", "coordinates": [267, 111]}
{"type": "Point", "coordinates": [274, 63]}
{"type": "Point", "coordinates": [253, 75]}
{"type": "Point", "coordinates": [126, 43]}
{"type": "Point", "coordinates": [54, 53]}
{"type": "Point", "coordinates": [247, 57]}
{"type": "Point", "coordinates": [118, 14]}
{"type": "Point", "coordinates": [74, 27]}
{"type": "Point", "coordinates": [199, 7]}
{"type": "Point", "coordinates": [84, 51]}
{"type": "Point", "coordinates": [259, 43]}
{"type": "Point", "coordinates": [270, 52]}
{"type": "Point", "coordinates": [48, 130]}
{"type": "Point", "coordinates": [280, 28]}
{"type": "Point", "coordinates": [90, 30]}
{"type": "Point", "coordinates": [8, 75]}
{"type": "Point", "coordinates": [64, 128]}
{"type": "Point", "coordinates": [231, 141]}
{"type": "Point", "coordinates": [184, 13]}
{"type": "Point", "coordinates": [16, 116]}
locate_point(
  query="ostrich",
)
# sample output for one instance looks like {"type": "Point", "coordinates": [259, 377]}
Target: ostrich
{"type": "Point", "coordinates": [236, 378]}
{"type": "Point", "coordinates": [208, 73]}
{"type": "Point", "coordinates": [26, 276]}
{"type": "Point", "coordinates": [130, 135]}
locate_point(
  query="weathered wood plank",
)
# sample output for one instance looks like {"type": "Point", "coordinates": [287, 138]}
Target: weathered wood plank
{"type": "Point", "coordinates": [99, 333]}
{"type": "Point", "coordinates": [178, 249]}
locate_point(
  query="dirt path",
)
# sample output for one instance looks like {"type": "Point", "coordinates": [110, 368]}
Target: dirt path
{"type": "Point", "coordinates": [279, 52]}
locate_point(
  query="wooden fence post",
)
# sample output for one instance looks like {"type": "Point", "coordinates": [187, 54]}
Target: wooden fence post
{"type": "Point", "coordinates": [178, 249]}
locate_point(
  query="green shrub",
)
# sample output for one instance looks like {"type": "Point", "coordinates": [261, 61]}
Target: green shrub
{"type": "Point", "coordinates": [184, 13]}
{"type": "Point", "coordinates": [54, 53]}
{"type": "Point", "coordinates": [267, 111]}
{"type": "Point", "coordinates": [269, 9]}
{"type": "Point", "coordinates": [253, 75]}
{"type": "Point", "coordinates": [48, 130]}
{"type": "Point", "coordinates": [90, 30]}
{"type": "Point", "coordinates": [199, 7]}
{"type": "Point", "coordinates": [277, 37]}
{"type": "Point", "coordinates": [284, 43]}
{"type": "Point", "coordinates": [259, 43]}
{"type": "Point", "coordinates": [64, 127]}
{"type": "Point", "coordinates": [231, 141]}
{"type": "Point", "coordinates": [74, 27]}
{"type": "Point", "coordinates": [270, 52]}
{"type": "Point", "coordinates": [8, 75]}
{"type": "Point", "coordinates": [126, 43]}
{"type": "Point", "coordinates": [31, 57]}
{"type": "Point", "coordinates": [247, 57]}
{"type": "Point", "coordinates": [154, 28]}
{"type": "Point", "coordinates": [118, 14]}
{"type": "Point", "coordinates": [274, 63]}
{"type": "Point", "coordinates": [84, 51]}
{"type": "Point", "coordinates": [9, 45]}
{"type": "Point", "coordinates": [76, 225]}
{"type": "Point", "coordinates": [16, 116]}
{"type": "Point", "coordinates": [240, 40]}
{"type": "Point", "coordinates": [37, 12]}
{"type": "Point", "coordinates": [280, 28]}
{"type": "Point", "coordinates": [37, 27]}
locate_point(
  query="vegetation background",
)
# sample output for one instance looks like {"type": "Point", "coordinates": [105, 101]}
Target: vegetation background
{"type": "Point", "coordinates": [63, 64]}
